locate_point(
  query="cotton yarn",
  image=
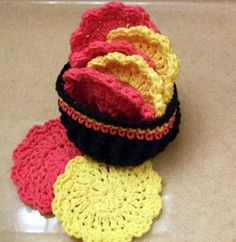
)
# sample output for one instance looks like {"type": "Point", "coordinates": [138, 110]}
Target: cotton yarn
{"type": "Point", "coordinates": [103, 203]}
{"type": "Point", "coordinates": [38, 160]}
{"type": "Point", "coordinates": [119, 107]}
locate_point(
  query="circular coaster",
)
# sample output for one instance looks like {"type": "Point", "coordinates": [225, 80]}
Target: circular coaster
{"type": "Point", "coordinates": [105, 94]}
{"type": "Point", "coordinates": [38, 160]}
{"type": "Point", "coordinates": [96, 23]}
{"type": "Point", "coordinates": [155, 45]}
{"type": "Point", "coordinates": [100, 48]}
{"type": "Point", "coordinates": [134, 71]}
{"type": "Point", "coordinates": [99, 202]}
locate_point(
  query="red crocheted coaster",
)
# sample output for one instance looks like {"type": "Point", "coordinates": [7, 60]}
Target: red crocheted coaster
{"type": "Point", "coordinates": [38, 161]}
{"type": "Point", "coordinates": [97, 23]}
{"type": "Point", "coordinates": [107, 95]}
{"type": "Point", "coordinates": [99, 48]}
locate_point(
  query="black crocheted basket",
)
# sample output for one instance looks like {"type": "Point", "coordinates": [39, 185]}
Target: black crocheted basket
{"type": "Point", "coordinates": [117, 148]}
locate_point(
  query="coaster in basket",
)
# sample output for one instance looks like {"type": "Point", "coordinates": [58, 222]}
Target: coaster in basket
{"type": "Point", "coordinates": [156, 45]}
{"type": "Point", "coordinates": [99, 48]}
{"type": "Point", "coordinates": [103, 93]}
{"type": "Point", "coordinates": [96, 23]}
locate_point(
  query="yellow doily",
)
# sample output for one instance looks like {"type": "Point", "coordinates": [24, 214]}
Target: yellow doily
{"type": "Point", "coordinates": [158, 47]}
{"type": "Point", "coordinates": [134, 71]}
{"type": "Point", "coordinates": [102, 203]}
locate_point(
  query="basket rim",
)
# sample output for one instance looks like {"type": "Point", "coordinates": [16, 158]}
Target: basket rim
{"type": "Point", "coordinates": [171, 107]}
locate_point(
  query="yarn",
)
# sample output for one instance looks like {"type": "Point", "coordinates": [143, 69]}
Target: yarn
{"type": "Point", "coordinates": [96, 23]}
{"type": "Point", "coordinates": [99, 48]}
{"type": "Point", "coordinates": [103, 203]}
{"type": "Point", "coordinates": [156, 46]}
{"type": "Point", "coordinates": [105, 94]}
{"type": "Point", "coordinates": [141, 134]}
{"type": "Point", "coordinates": [113, 149]}
{"type": "Point", "coordinates": [119, 105]}
{"type": "Point", "coordinates": [109, 120]}
{"type": "Point", "coordinates": [108, 40]}
{"type": "Point", "coordinates": [38, 160]}
{"type": "Point", "coordinates": [134, 71]}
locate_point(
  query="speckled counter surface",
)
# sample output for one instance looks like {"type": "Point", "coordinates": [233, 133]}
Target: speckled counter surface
{"type": "Point", "coordinates": [198, 168]}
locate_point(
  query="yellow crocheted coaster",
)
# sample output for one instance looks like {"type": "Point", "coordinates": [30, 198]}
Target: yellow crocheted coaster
{"type": "Point", "coordinates": [158, 47]}
{"type": "Point", "coordinates": [134, 71]}
{"type": "Point", "coordinates": [103, 203]}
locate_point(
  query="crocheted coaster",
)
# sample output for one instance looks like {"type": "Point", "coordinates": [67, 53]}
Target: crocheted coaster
{"type": "Point", "coordinates": [38, 160]}
{"type": "Point", "coordinates": [171, 107]}
{"type": "Point", "coordinates": [134, 71]}
{"type": "Point", "coordinates": [100, 48]}
{"type": "Point", "coordinates": [96, 23]}
{"type": "Point", "coordinates": [105, 94]}
{"type": "Point", "coordinates": [166, 63]}
{"type": "Point", "coordinates": [98, 202]}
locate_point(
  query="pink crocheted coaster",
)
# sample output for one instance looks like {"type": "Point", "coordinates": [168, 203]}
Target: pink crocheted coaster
{"type": "Point", "coordinates": [106, 94]}
{"type": "Point", "coordinates": [97, 23]}
{"type": "Point", "coordinates": [38, 161]}
{"type": "Point", "coordinates": [99, 48]}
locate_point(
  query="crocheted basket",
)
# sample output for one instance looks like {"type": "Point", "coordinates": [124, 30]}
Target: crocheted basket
{"type": "Point", "coordinates": [113, 141]}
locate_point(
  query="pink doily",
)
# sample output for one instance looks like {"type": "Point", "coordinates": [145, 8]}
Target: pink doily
{"type": "Point", "coordinates": [38, 161]}
{"type": "Point", "coordinates": [97, 23]}
{"type": "Point", "coordinates": [105, 94]}
{"type": "Point", "coordinates": [100, 48]}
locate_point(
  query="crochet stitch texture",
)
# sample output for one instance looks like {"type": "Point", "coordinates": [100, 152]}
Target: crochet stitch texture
{"type": "Point", "coordinates": [103, 203]}
{"type": "Point", "coordinates": [158, 47]}
{"type": "Point", "coordinates": [38, 160]}
{"type": "Point", "coordinates": [101, 48]}
{"type": "Point", "coordinates": [96, 23]}
{"type": "Point", "coordinates": [106, 94]}
{"type": "Point", "coordinates": [134, 71]}
{"type": "Point", "coordinates": [117, 47]}
{"type": "Point", "coordinates": [122, 41]}
{"type": "Point", "coordinates": [119, 105]}
{"type": "Point", "coordinates": [113, 149]}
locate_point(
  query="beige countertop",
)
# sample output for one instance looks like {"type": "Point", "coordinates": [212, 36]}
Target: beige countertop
{"type": "Point", "coordinates": [198, 168]}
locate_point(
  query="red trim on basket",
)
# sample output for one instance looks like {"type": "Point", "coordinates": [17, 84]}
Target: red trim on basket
{"type": "Point", "coordinates": [140, 134]}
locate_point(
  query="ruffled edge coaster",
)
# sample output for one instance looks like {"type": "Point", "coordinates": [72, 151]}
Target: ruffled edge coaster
{"type": "Point", "coordinates": [38, 160]}
{"type": "Point", "coordinates": [97, 22]}
{"type": "Point", "coordinates": [104, 93]}
{"type": "Point", "coordinates": [104, 203]}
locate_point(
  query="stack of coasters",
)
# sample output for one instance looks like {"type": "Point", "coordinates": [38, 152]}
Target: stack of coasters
{"type": "Point", "coordinates": [119, 108]}
{"type": "Point", "coordinates": [118, 100]}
